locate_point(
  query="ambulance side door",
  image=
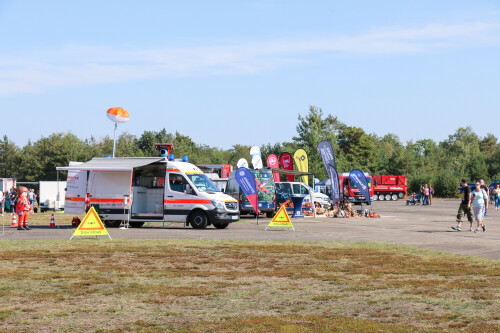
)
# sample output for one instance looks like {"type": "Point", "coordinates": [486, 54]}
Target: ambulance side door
{"type": "Point", "coordinates": [177, 205]}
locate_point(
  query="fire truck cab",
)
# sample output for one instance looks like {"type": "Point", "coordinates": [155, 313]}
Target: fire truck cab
{"type": "Point", "coordinates": [349, 190]}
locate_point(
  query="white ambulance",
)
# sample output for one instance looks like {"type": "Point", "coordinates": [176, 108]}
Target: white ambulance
{"type": "Point", "coordinates": [149, 189]}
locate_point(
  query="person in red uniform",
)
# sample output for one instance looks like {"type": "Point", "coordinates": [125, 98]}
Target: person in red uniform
{"type": "Point", "coordinates": [23, 208]}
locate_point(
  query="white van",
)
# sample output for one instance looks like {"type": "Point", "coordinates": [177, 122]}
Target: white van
{"type": "Point", "coordinates": [151, 189]}
{"type": "Point", "coordinates": [284, 190]}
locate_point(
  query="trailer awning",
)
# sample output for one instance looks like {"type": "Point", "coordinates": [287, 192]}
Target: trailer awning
{"type": "Point", "coordinates": [113, 164]}
{"type": "Point", "coordinates": [292, 172]}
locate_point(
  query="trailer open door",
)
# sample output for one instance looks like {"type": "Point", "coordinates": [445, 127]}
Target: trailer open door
{"type": "Point", "coordinates": [76, 190]}
{"type": "Point", "coordinates": [107, 190]}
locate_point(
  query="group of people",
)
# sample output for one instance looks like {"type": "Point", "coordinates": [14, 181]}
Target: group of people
{"type": "Point", "coordinates": [426, 193]}
{"type": "Point", "coordinates": [21, 202]}
{"type": "Point", "coordinates": [474, 202]}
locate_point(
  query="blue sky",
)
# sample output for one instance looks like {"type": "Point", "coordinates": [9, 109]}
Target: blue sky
{"type": "Point", "coordinates": [240, 72]}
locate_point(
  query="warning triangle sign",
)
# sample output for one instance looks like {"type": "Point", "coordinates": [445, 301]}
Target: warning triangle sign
{"type": "Point", "coordinates": [281, 219]}
{"type": "Point", "coordinates": [91, 225]}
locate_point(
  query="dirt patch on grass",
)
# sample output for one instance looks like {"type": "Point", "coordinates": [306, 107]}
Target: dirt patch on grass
{"type": "Point", "coordinates": [158, 285]}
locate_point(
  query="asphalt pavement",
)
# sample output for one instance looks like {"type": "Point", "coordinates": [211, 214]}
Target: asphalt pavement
{"type": "Point", "coordinates": [418, 226]}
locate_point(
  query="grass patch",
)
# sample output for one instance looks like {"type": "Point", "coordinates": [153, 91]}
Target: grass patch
{"type": "Point", "coordinates": [211, 285]}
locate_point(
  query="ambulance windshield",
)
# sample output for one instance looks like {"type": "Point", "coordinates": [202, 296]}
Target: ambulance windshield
{"type": "Point", "coordinates": [202, 182]}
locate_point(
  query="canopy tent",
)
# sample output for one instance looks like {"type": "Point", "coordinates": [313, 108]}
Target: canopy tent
{"type": "Point", "coordinates": [118, 163]}
{"type": "Point", "coordinates": [325, 182]}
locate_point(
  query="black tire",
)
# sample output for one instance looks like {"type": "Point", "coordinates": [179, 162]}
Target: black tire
{"type": "Point", "coordinates": [136, 224]}
{"type": "Point", "coordinates": [270, 215]}
{"type": "Point", "coordinates": [113, 223]}
{"type": "Point", "coordinates": [221, 225]}
{"type": "Point", "coordinates": [198, 220]}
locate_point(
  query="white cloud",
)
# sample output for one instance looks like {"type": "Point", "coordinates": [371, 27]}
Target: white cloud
{"type": "Point", "coordinates": [74, 65]}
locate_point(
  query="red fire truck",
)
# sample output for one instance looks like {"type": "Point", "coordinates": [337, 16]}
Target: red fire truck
{"type": "Point", "coordinates": [389, 187]}
{"type": "Point", "coordinates": [222, 170]}
{"type": "Point", "coordinates": [350, 191]}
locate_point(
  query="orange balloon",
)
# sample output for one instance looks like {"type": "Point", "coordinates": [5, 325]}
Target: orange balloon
{"type": "Point", "coordinates": [118, 115]}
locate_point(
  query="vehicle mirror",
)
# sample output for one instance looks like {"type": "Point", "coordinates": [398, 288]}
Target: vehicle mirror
{"type": "Point", "coordinates": [187, 189]}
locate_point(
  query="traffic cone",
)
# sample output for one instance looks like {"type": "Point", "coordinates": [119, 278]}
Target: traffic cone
{"type": "Point", "coordinates": [52, 223]}
{"type": "Point", "coordinates": [14, 220]}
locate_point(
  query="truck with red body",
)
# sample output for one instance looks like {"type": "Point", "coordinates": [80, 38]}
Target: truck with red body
{"type": "Point", "coordinates": [350, 191]}
{"type": "Point", "coordinates": [222, 170]}
{"type": "Point", "coordinates": [389, 187]}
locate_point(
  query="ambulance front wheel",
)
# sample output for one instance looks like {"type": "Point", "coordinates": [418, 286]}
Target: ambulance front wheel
{"type": "Point", "coordinates": [198, 220]}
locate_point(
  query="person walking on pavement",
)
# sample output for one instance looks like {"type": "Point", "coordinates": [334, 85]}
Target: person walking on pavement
{"type": "Point", "coordinates": [422, 197]}
{"type": "Point", "coordinates": [487, 190]}
{"type": "Point", "coordinates": [426, 194]}
{"type": "Point", "coordinates": [431, 193]}
{"type": "Point", "coordinates": [23, 208]}
{"type": "Point", "coordinates": [2, 201]}
{"type": "Point", "coordinates": [496, 196]}
{"type": "Point", "coordinates": [464, 208]}
{"type": "Point", "coordinates": [480, 203]}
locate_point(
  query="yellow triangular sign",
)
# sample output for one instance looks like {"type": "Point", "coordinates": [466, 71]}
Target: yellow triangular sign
{"type": "Point", "coordinates": [91, 225]}
{"type": "Point", "coordinates": [281, 219]}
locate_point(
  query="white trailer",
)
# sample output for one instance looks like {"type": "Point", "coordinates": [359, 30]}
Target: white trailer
{"type": "Point", "coordinates": [6, 184]}
{"type": "Point", "coordinates": [52, 195]}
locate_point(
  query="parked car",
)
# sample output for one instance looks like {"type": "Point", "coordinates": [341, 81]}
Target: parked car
{"type": "Point", "coordinates": [284, 190]}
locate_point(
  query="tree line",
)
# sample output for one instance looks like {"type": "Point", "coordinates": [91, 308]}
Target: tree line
{"type": "Point", "coordinates": [463, 154]}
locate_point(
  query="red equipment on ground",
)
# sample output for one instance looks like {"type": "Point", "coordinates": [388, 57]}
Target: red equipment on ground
{"type": "Point", "coordinates": [75, 222]}
{"type": "Point", "coordinates": [52, 222]}
{"type": "Point", "coordinates": [390, 187]}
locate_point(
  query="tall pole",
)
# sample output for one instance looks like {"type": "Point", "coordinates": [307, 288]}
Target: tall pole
{"type": "Point", "coordinates": [114, 141]}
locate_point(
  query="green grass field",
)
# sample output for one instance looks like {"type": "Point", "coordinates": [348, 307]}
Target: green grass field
{"type": "Point", "coordinates": [224, 286]}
